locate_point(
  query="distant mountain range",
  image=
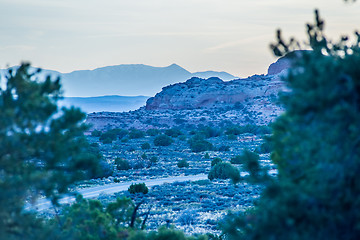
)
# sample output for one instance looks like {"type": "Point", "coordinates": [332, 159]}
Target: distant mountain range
{"type": "Point", "coordinates": [121, 87]}
{"type": "Point", "coordinates": [126, 80]}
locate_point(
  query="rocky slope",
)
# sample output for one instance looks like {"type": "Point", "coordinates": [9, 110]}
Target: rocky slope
{"type": "Point", "coordinates": [214, 93]}
{"type": "Point", "coordinates": [198, 93]}
{"type": "Point", "coordinates": [206, 101]}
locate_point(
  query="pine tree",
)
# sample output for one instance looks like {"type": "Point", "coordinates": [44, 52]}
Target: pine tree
{"type": "Point", "coordinates": [42, 150]}
{"type": "Point", "coordinates": [316, 146]}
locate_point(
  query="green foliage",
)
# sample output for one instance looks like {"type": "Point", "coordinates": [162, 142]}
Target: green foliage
{"type": "Point", "coordinates": [138, 188]}
{"type": "Point", "coordinates": [215, 161]}
{"type": "Point", "coordinates": [145, 146]}
{"type": "Point", "coordinates": [265, 147]}
{"type": "Point", "coordinates": [236, 160]}
{"type": "Point", "coordinates": [85, 219]}
{"type": "Point", "coordinates": [121, 211]}
{"type": "Point", "coordinates": [183, 163]}
{"type": "Point", "coordinates": [206, 156]}
{"type": "Point", "coordinates": [136, 133]}
{"type": "Point", "coordinates": [249, 128]}
{"type": "Point", "coordinates": [112, 135]}
{"type": "Point", "coordinates": [153, 160]}
{"type": "Point", "coordinates": [224, 170]}
{"type": "Point", "coordinates": [209, 132]}
{"type": "Point", "coordinates": [42, 149]}
{"type": "Point", "coordinates": [96, 133]}
{"type": "Point", "coordinates": [122, 164]}
{"type": "Point", "coordinates": [144, 156]}
{"type": "Point", "coordinates": [153, 132]}
{"type": "Point", "coordinates": [199, 144]}
{"type": "Point", "coordinates": [173, 132]}
{"type": "Point", "coordinates": [163, 140]}
{"type": "Point", "coordinates": [164, 234]}
{"type": "Point", "coordinates": [316, 147]}
{"type": "Point", "coordinates": [232, 137]}
{"type": "Point", "coordinates": [246, 157]}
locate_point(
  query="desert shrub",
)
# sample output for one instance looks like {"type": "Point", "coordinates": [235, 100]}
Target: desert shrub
{"type": "Point", "coordinates": [202, 182]}
{"type": "Point", "coordinates": [183, 164]}
{"type": "Point", "coordinates": [154, 159]}
{"type": "Point", "coordinates": [153, 132]}
{"type": "Point", "coordinates": [232, 137]}
{"type": "Point", "coordinates": [145, 146]}
{"type": "Point", "coordinates": [236, 160]}
{"type": "Point", "coordinates": [224, 170]}
{"type": "Point", "coordinates": [182, 138]}
{"type": "Point", "coordinates": [139, 164]}
{"type": "Point", "coordinates": [209, 132]}
{"type": "Point", "coordinates": [112, 135]}
{"type": "Point", "coordinates": [215, 161]}
{"type": "Point", "coordinates": [96, 133]}
{"type": "Point", "coordinates": [138, 188]}
{"type": "Point", "coordinates": [163, 140]}
{"type": "Point", "coordinates": [144, 156]}
{"type": "Point", "coordinates": [122, 164]}
{"type": "Point", "coordinates": [199, 144]}
{"type": "Point", "coordinates": [188, 217]}
{"type": "Point", "coordinates": [249, 128]}
{"type": "Point", "coordinates": [107, 141]}
{"type": "Point", "coordinates": [136, 133]}
{"type": "Point", "coordinates": [173, 132]}
{"type": "Point", "coordinates": [246, 157]}
{"type": "Point", "coordinates": [265, 147]}
{"type": "Point", "coordinates": [233, 130]}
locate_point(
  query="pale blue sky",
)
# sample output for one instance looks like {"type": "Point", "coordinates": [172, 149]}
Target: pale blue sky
{"type": "Point", "coordinates": [220, 35]}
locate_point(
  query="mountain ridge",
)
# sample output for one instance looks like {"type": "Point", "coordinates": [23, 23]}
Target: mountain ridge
{"type": "Point", "coordinates": [125, 79]}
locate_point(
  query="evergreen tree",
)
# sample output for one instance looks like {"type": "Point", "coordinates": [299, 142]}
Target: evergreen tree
{"type": "Point", "coordinates": [42, 150]}
{"type": "Point", "coordinates": [316, 146]}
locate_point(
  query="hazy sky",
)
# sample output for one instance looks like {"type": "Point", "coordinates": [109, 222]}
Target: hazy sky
{"type": "Point", "coordinates": [221, 35]}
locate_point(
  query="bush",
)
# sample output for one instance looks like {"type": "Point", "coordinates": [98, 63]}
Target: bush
{"type": "Point", "coordinates": [145, 146]}
{"type": "Point", "coordinates": [198, 144]}
{"type": "Point", "coordinates": [206, 156]}
{"type": "Point", "coordinates": [107, 141]}
{"type": "Point", "coordinates": [209, 132]}
{"type": "Point", "coordinates": [173, 132]}
{"type": "Point", "coordinates": [111, 135]}
{"type": "Point", "coordinates": [188, 217]}
{"type": "Point", "coordinates": [215, 161]}
{"type": "Point", "coordinates": [96, 133]}
{"type": "Point", "coordinates": [153, 160]}
{"type": "Point", "coordinates": [153, 132]}
{"type": "Point", "coordinates": [232, 137]}
{"type": "Point", "coordinates": [247, 158]}
{"type": "Point", "coordinates": [236, 160]}
{"type": "Point", "coordinates": [144, 156]}
{"type": "Point", "coordinates": [135, 133]}
{"type": "Point", "coordinates": [224, 170]}
{"type": "Point", "coordinates": [183, 164]}
{"type": "Point", "coordinates": [138, 188]}
{"type": "Point", "coordinates": [265, 147]}
{"type": "Point", "coordinates": [163, 140]}
{"type": "Point", "coordinates": [122, 164]}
